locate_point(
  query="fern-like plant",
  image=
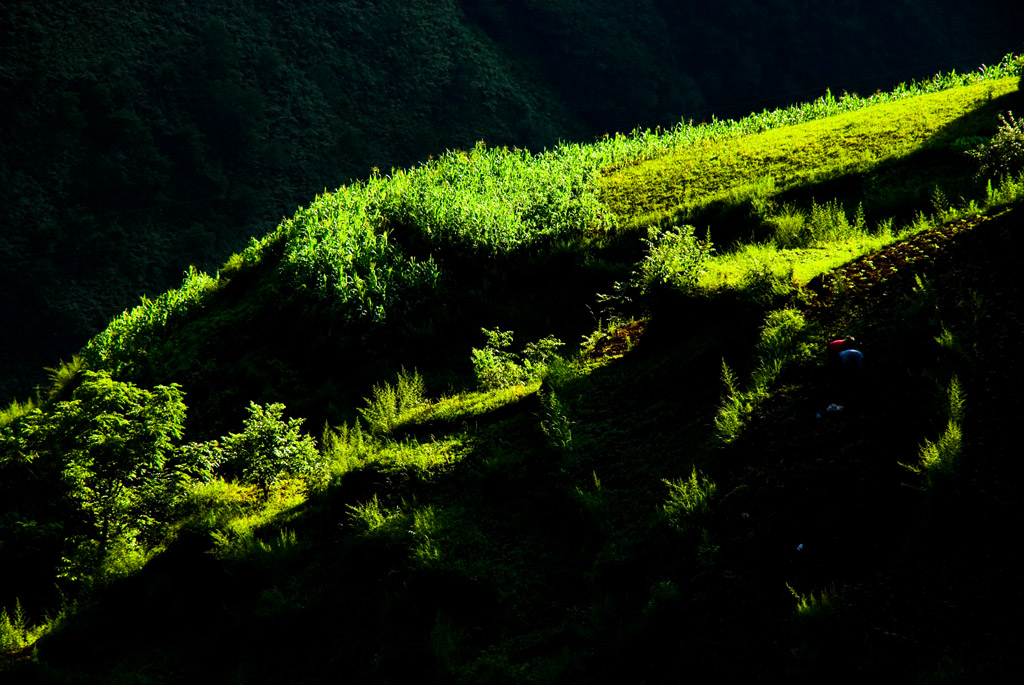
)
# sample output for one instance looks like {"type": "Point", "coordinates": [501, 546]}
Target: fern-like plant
{"type": "Point", "coordinates": [688, 498]}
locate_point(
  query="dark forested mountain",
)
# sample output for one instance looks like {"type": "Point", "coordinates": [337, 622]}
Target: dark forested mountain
{"type": "Point", "coordinates": [141, 137]}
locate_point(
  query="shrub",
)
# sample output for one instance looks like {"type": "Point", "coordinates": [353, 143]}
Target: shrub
{"type": "Point", "coordinates": [1003, 155]}
{"type": "Point", "coordinates": [789, 228]}
{"type": "Point", "coordinates": [107, 452]}
{"type": "Point", "coordinates": [675, 258]}
{"type": "Point", "coordinates": [270, 447]}
{"type": "Point", "coordinates": [495, 367]}
{"type": "Point", "coordinates": [688, 498]}
{"type": "Point", "coordinates": [391, 402]}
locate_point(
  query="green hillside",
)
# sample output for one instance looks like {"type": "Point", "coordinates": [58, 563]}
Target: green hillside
{"type": "Point", "coordinates": [144, 136]}
{"type": "Point", "coordinates": [559, 417]}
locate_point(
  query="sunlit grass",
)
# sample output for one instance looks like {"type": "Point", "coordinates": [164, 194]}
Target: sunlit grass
{"type": "Point", "coordinates": [237, 510]}
{"type": "Point", "coordinates": [671, 186]}
{"type": "Point", "coordinates": [732, 269]}
{"type": "Point", "coordinates": [470, 405]}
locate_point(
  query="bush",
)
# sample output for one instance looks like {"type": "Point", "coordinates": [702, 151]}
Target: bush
{"type": "Point", "coordinates": [495, 367]}
{"type": "Point", "coordinates": [391, 402]}
{"type": "Point", "coordinates": [688, 498]}
{"type": "Point", "coordinates": [675, 258]}
{"type": "Point", "coordinates": [269, 448]}
{"type": "Point", "coordinates": [1004, 154]}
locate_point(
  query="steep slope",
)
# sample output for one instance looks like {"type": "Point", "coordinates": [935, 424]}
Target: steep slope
{"type": "Point", "coordinates": [596, 516]}
{"type": "Point", "coordinates": [142, 137]}
{"type": "Point", "coordinates": [551, 566]}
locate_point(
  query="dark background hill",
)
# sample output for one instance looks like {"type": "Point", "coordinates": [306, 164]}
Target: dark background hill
{"type": "Point", "coordinates": [141, 137]}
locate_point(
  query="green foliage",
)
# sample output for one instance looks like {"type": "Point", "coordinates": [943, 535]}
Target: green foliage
{"type": "Point", "coordinates": [829, 223]}
{"type": "Point", "coordinates": [688, 499]}
{"type": "Point", "coordinates": [270, 448]}
{"type": "Point", "coordinates": [344, 448]}
{"type": "Point", "coordinates": [675, 258]}
{"type": "Point", "coordinates": [497, 368]}
{"type": "Point", "coordinates": [64, 376]}
{"type": "Point", "coordinates": [248, 548]}
{"type": "Point", "coordinates": [337, 248]}
{"type": "Point", "coordinates": [1007, 191]}
{"type": "Point", "coordinates": [121, 347]}
{"type": "Point", "coordinates": [15, 410]}
{"type": "Point", "coordinates": [786, 340]}
{"type": "Point", "coordinates": [939, 461]}
{"type": "Point", "coordinates": [733, 408]}
{"type": "Point", "coordinates": [108, 452]}
{"type": "Point", "coordinates": [1004, 154]}
{"type": "Point", "coordinates": [14, 632]}
{"type": "Point", "coordinates": [812, 606]}
{"type": "Point", "coordinates": [373, 518]}
{"type": "Point", "coordinates": [691, 169]}
{"type": "Point", "coordinates": [555, 421]}
{"type": "Point", "coordinates": [381, 413]}
{"type": "Point", "coordinates": [392, 403]}
{"type": "Point", "coordinates": [496, 200]}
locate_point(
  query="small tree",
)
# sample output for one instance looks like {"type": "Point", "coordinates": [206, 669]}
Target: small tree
{"type": "Point", "coordinates": [269, 447]}
{"type": "Point", "coordinates": [105, 452]}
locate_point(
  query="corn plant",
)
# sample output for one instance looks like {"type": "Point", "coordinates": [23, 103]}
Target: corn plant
{"type": "Point", "coordinates": [126, 339]}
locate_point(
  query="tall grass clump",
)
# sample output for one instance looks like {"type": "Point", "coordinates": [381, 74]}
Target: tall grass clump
{"type": "Point", "coordinates": [14, 630]}
{"type": "Point", "coordinates": [1008, 190]}
{"type": "Point", "coordinates": [375, 519]}
{"type": "Point", "coordinates": [688, 498]}
{"type": "Point", "coordinates": [734, 407]}
{"type": "Point", "coordinates": [16, 410]}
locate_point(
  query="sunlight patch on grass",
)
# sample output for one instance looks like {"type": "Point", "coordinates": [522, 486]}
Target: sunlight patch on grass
{"type": "Point", "coordinates": [732, 269]}
{"type": "Point", "coordinates": [469, 405]}
{"type": "Point", "coordinates": [669, 187]}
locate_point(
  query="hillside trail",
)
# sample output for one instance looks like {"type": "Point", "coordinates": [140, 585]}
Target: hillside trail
{"type": "Point", "coordinates": [824, 505]}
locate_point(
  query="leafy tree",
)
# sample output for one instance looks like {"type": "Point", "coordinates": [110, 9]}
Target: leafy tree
{"type": "Point", "coordinates": [105, 454]}
{"type": "Point", "coordinates": [270, 447]}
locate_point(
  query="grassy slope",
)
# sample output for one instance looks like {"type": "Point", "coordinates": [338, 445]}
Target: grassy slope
{"type": "Point", "coordinates": [513, 560]}
{"type": "Point", "coordinates": [538, 570]}
{"type": "Point", "coordinates": [674, 187]}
